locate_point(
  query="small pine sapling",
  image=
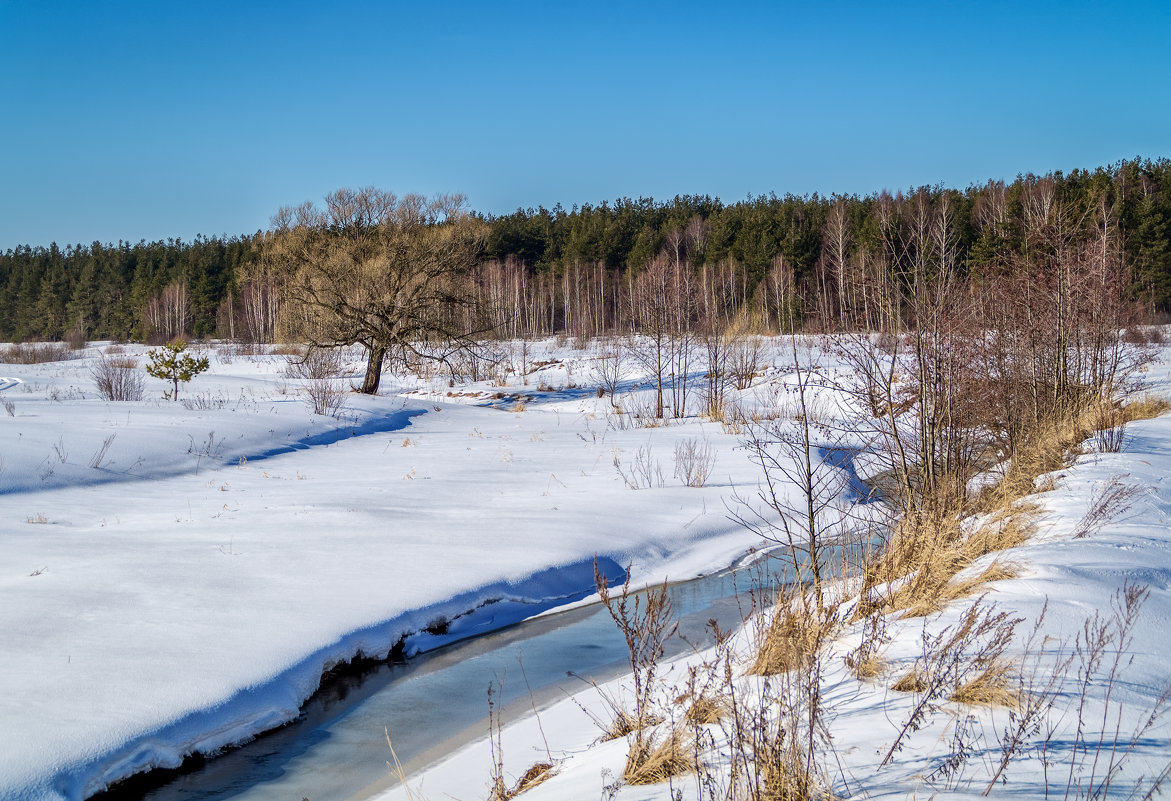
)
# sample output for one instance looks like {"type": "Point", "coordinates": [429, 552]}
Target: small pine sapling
{"type": "Point", "coordinates": [170, 363]}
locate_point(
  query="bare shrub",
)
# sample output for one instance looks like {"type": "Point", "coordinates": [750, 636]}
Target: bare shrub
{"type": "Point", "coordinates": [35, 353]}
{"type": "Point", "coordinates": [607, 368]}
{"type": "Point", "coordinates": [321, 370]}
{"type": "Point", "coordinates": [645, 471]}
{"type": "Point", "coordinates": [745, 358]}
{"type": "Point", "coordinates": [694, 462]}
{"type": "Point", "coordinates": [646, 622]}
{"type": "Point", "coordinates": [75, 338]}
{"type": "Point", "coordinates": [118, 378]}
{"type": "Point", "coordinates": [9, 407]}
{"type": "Point", "coordinates": [205, 401]}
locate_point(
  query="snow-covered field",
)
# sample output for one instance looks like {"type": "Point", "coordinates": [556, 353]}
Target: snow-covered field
{"type": "Point", "coordinates": [175, 577]}
{"type": "Point", "coordinates": [187, 585]}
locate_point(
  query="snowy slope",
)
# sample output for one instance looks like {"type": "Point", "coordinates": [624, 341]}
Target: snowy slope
{"type": "Point", "coordinates": [1062, 581]}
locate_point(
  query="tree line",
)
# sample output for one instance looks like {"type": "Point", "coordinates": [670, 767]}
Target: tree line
{"type": "Point", "coordinates": [786, 261]}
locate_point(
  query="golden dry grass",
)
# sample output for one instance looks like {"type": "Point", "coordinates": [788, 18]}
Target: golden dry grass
{"type": "Point", "coordinates": [991, 688]}
{"type": "Point", "coordinates": [912, 682]}
{"type": "Point", "coordinates": [866, 667]}
{"type": "Point", "coordinates": [706, 710]}
{"type": "Point", "coordinates": [795, 634]}
{"type": "Point", "coordinates": [917, 567]}
{"type": "Point", "coordinates": [621, 725]}
{"type": "Point", "coordinates": [654, 763]}
{"type": "Point", "coordinates": [1145, 408]}
{"type": "Point", "coordinates": [786, 780]}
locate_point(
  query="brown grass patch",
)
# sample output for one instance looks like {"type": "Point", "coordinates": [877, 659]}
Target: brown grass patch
{"type": "Point", "coordinates": [1146, 407]}
{"type": "Point", "coordinates": [794, 636]}
{"type": "Point", "coordinates": [787, 779]}
{"type": "Point", "coordinates": [865, 667]}
{"type": "Point", "coordinates": [621, 724]}
{"type": "Point", "coordinates": [287, 349]}
{"type": "Point", "coordinates": [706, 710]}
{"type": "Point", "coordinates": [991, 688]}
{"type": "Point", "coordinates": [912, 682]}
{"type": "Point", "coordinates": [925, 553]}
{"type": "Point", "coordinates": [653, 763]}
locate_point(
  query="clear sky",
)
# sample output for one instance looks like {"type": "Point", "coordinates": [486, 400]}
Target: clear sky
{"type": "Point", "coordinates": [133, 120]}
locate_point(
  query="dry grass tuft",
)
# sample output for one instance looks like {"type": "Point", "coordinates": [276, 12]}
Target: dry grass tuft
{"type": "Point", "coordinates": [655, 763]}
{"type": "Point", "coordinates": [623, 723]}
{"type": "Point", "coordinates": [535, 775]}
{"type": "Point", "coordinates": [786, 780]}
{"type": "Point", "coordinates": [1146, 407]}
{"type": "Point", "coordinates": [706, 710]}
{"type": "Point", "coordinates": [912, 682]}
{"type": "Point", "coordinates": [991, 687]}
{"type": "Point", "coordinates": [867, 667]}
{"type": "Point", "coordinates": [795, 635]}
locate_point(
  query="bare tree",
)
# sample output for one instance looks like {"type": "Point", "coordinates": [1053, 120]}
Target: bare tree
{"type": "Point", "coordinates": [168, 314]}
{"type": "Point", "coordinates": [389, 273]}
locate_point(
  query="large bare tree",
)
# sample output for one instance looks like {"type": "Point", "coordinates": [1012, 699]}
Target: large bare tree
{"type": "Point", "coordinates": [389, 273]}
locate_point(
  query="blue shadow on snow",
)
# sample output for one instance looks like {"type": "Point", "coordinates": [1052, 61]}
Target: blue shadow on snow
{"type": "Point", "coordinates": [395, 421]}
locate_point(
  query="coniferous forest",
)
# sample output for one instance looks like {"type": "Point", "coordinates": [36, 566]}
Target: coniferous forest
{"type": "Point", "coordinates": [791, 262]}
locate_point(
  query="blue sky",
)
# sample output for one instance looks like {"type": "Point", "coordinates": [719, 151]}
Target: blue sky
{"type": "Point", "coordinates": [123, 120]}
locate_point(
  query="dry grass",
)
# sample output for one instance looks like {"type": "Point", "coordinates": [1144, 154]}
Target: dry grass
{"type": "Point", "coordinates": [785, 778]}
{"type": "Point", "coordinates": [537, 774]}
{"type": "Point", "coordinates": [915, 571]}
{"type": "Point", "coordinates": [865, 666]}
{"type": "Point", "coordinates": [656, 761]}
{"type": "Point", "coordinates": [1050, 446]}
{"type": "Point", "coordinates": [706, 710]}
{"type": "Point", "coordinates": [622, 723]}
{"type": "Point", "coordinates": [794, 636]}
{"type": "Point", "coordinates": [1146, 407]}
{"type": "Point", "coordinates": [992, 687]}
{"type": "Point", "coordinates": [287, 349]}
{"type": "Point", "coordinates": [912, 682]}
{"type": "Point", "coordinates": [397, 769]}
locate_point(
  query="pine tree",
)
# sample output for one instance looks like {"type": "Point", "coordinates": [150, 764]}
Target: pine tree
{"type": "Point", "coordinates": [170, 363]}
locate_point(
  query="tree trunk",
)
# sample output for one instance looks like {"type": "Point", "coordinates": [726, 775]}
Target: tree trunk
{"type": "Point", "coordinates": [373, 370]}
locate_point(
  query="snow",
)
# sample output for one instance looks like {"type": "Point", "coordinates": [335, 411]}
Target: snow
{"type": "Point", "coordinates": [190, 589]}
{"type": "Point", "coordinates": [185, 587]}
{"type": "Point", "coordinates": [1062, 581]}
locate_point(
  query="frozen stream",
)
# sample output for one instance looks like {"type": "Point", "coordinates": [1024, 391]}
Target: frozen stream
{"type": "Point", "coordinates": [435, 702]}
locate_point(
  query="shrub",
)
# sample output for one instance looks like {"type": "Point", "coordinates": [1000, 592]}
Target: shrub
{"type": "Point", "coordinates": [321, 369]}
{"type": "Point", "coordinates": [37, 353]}
{"type": "Point", "coordinates": [117, 378]}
